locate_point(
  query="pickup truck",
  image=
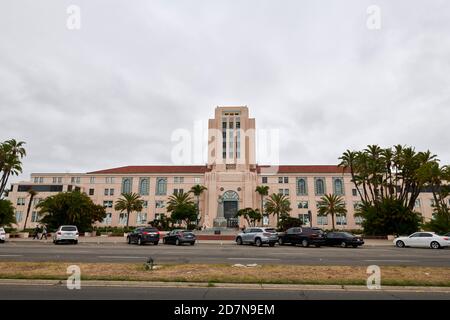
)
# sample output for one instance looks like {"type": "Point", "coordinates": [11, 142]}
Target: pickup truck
{"type": "Point", "coordinates": [304, 236]}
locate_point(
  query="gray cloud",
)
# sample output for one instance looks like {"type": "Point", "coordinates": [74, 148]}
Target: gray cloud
{"type": "Point", "coordinates": [113, 92]}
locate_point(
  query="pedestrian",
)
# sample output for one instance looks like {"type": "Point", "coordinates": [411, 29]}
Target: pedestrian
{"type": "Point", "coordinates": [44, 232]}
{"type": "Point", "coordinates": [36, 233]}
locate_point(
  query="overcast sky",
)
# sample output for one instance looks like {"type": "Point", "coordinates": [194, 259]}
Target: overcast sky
{"type": "Point", "coordinates": [113, 92]}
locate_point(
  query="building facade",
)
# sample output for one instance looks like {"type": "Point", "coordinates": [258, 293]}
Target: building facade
{"type": "Point", "coordinates": [231, 176]}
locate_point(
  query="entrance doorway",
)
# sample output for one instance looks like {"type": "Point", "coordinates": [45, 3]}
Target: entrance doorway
{"type": "Point", "coordinates": [230, 208]}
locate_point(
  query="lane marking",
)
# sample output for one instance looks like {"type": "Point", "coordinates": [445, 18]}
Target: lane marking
{"type": "Point", "coordinates": [121, 257]}
{"type": "Point", "coordinates": [11, 255]}
{"type": "Point", "coordinates": [252, 259]}
{"type": "Point", "coordinates": [389, 260]}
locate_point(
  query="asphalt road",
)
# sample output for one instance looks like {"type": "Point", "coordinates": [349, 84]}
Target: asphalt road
{"type": "Point", "coordinates": [230, 254]}
{"type": "Point", "coordinates": [60, 292]}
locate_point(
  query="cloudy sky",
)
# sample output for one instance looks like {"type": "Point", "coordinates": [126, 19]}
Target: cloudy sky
{"type": "Point", "coordinates": [113, 92]}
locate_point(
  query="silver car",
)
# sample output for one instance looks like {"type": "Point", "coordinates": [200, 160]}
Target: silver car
{"type": "Point", "coordinates": [2, 235]}
{"type": "Point", "coordinates": [258, 236]}
{"type": "Point", "coordinates": [66, 234]}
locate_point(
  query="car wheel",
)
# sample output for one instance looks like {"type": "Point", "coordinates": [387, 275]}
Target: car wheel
{"type": "Point", "coordinates": [164, 241]}
{"type": "Point", "coordinates": [305, 243]}
{"type": "Point", "coordinates": [139, 241]}
{"type": "Point", "coordinates": [271, 244]}
{"type": "Point", "coordinates": [129, 240]}
{"type": "Point", "coordinates": [355, 246]}
{"type": "Point", "coordinates": [317, 245]}
{"type": "Point", "coordinates": [155, 243]}
{"type": "Point", "coordinates": [239, 241]}
{"type": "Point", "coordinates": [192, 243]}
{"type": "Point", "coordinates": [435, 245]}
{"type": "Point", "coordinates": [177, 242]}
{"type": "Point", "coordinates": [75, 242]}
{"type": "Point", "coordinates": [344, 244]}
{"type": "Point", "coordinates": [258, 242]}
{"type": "Point", "coordinates": [280, 241]}
{"type": "Point", "coordinates": [400, 244]}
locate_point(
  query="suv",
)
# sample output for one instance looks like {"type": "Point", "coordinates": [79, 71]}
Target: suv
{"type": "Point", "coordinates": [258, 236]}
{"type": "Point", "coordinates": [303, 236]}
{"type": "Point", "coordinates": [180, 236]}
{"type": "Point", "coordinates": [2, 235]}
{"type": "Point", "coordinates": [66, 234]}
{"type": "Point", "coordinates": [143, 235]}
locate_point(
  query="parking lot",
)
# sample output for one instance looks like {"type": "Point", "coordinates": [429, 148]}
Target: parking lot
{"type": "Point", "coordinates": [226, 253]}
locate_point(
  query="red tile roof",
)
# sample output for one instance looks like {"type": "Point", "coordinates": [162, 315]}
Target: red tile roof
{"type": "Point", "coordinates": [304, 169]}
{"type": "Point", "coordinates": [152, 169]}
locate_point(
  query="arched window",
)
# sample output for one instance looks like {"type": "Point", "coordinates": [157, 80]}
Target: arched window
{"type": "Point", "coordinates": [301, 187]}
{"type": "Point", "coordinates": [320, 186]}
{"type": "Point", "coordinates": [161, 186]}
{"type": "Point", "coordinates": [143, 186]}
{"type": "Point", "coordinates": [338, 186]}
{"type": "Point", "coordinates": [126, 185]}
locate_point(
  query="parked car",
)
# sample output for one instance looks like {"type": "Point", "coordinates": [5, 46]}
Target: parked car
{"type": "Point", "coordinates": [143, 235]}
{"type": "Point", "coordinates": [423, 239]}
{"type": "Point", "coordinates": [179, 236]}
{"type": "Point", "coordinates": [343, 239]}
{"type": "Point", "coordinates": [447, 234]}
{"type": "Point", "coordinates": [2, 235]}
{"type": "Point", "coordinates": [304, 236]}
{"type": "Point", "coordinates": [66, 234]}
{"type": "Point", "coordinates": [258, 236]}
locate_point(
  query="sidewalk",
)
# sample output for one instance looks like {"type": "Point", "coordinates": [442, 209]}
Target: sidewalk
{"type": "Point", "coordinates": [122, 240]}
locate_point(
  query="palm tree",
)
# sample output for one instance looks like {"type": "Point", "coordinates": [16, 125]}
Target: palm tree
{"type": "Point", "coordinates": [11, 152]}
{"type": "Point", "coordinates": [32, 194]}
{"type": "Point", "coordinates": [181, 206]}
{"type": "Point", "coordinates": [333, 205]}
{"type": "Point", "coordinates": [278, 204]}
{"type": "Point", "coordinates": [250, 215]}
{"type": "Point", "coordinates": [129, 202]}
{"type": "Point", "coordinates": [263, 191]}
{"type": "Point", "coordinates": [197, 190]}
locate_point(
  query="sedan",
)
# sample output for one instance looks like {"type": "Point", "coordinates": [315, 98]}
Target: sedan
{"type": "Point", "coordinates": [343, 239]}
{"type": "Point", "coordinates": [144, 235]}
{"type": "Point", "coordinates": [178, 237]}
{"type": "Point", "coordinates": [66, 234]}
{"type": "Point", "coordinates": [424, 240]}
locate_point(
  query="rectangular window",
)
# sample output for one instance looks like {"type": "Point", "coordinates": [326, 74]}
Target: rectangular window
{"type": "Point", "coordinates": [286, 179]}
{"type": "Point", "coordinates": [358, 220]}
{"type": "Point", "coordinates": [108, 218]}
{"type": "Point", "coordinates": [356, 204]}
{"type": "Point", "coordinates": [91, 192]}
{"type": "Point", "coordinates": [54, 180]}
{"type": "Point", "coordinates": [178, 180]}
{"type": "Point", "coordinates": [304, 218]}
{"type": "Point", "coordinates": [338, 186]}
{"type": "Point", "coordinates": [286, 192]}
{"type": "Point", "coordinates": [322, 220]}
{"type": "Point", "coordinates": [34, 216]}
{"type": "Point", "coordinates": [141, 218]}
{"type": "Point", "coordinates": [264, 179]}
{"type": "Point", "coordinates": [59, 179]}
{"type": "Point", "coordinates": [108, 204]}
{"type": "Point", "coordinates": [280, 191]}
{"type": "Point", "coordinates": [177, 191]}
{"type": "Point", "coordinates": [161, 186]}
{"type": "Point", "coordinates": [341, 220]}
{"type": "Point", "coordinates": [196, 180]}
{"type": "Point", "coordinates": [111, 192]}
{"type": "Point", "coordinates": [302, 204]}
{"type": "Point", "coordinates": [159, 204]}
{"type": "Point", "coordinates": [145, 204]}
{"type": "Point", "coordinates": [106, 192]}
{"type": "Point", "coordinates": [41, 180]}
{"type": "Point", "coordinates": [354, 192]}
{"type": "Point", "coordinates": [18, 216]}
{"type": "Point", "coordinates": [122, 218]}
{"type": "Point", "coordinates": [36, 180]}
{"type": "Point", "coordinates": [280, 179]}
{"type": "Point", "coordinates": [92, 180]}
{"type": "Point", "coordinates": [20, 201]}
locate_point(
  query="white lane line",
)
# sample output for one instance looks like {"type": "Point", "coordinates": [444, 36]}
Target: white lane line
{"type": "Point", "coordinates": [252, 259]}
{"type": "Point", "coordinates": [121, 257]}
{"type": "Point", "coordinates": [11, 255]}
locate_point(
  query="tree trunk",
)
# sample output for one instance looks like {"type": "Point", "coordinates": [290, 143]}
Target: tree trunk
{"type": "Point", "coordinates": [128, 217]}
{"type": "Point", "coordinates": [332, 220]}
{"type": "Point", "coordinates": [28, 212]}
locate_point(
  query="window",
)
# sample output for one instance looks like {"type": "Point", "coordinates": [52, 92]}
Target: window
{"type": "Point", "coordinates": [286, 179]}
{"type": "Point", "coordinates": [91, 192]}
{"type": "Point", "coordinates": [145, 204]}
{"type": "Point", "coordinates": [141, 218]}
{"type": "Point", "coordinates": [322, 220]}
{"type": "Point", "coordinates": [159, 216]}
{"type": "Point", "coordinates": [161, 186]}
{"type": "Point", "coordinates": [122, 218]}
{"type": "Point", "coordinates": [356, 204]}
{"type": "Point", "coordinates": [302, 204]}
{"type": "Point", "coordinates": [109, 179]}
{"type": "Point", "coordinates": [92, 180]}
{"type": "Point", "coordinates": [354, 192]}
{"type": "Point", "coordinates": [286, 192]}
{"type": "Point", "coordinates": [20, 201]}
{"type": "Point", "coordinates": [265, 220]}
{"type": "Point", "coordinates": [108, 204]}
{"type": "Point", "coordinates": [54, 180]}
{"type": "Point", "coordinates": [18, 216]}
{"type": "Point", "coordinates": [59, 179]}
{"type": "Point", "coordinates": [417, 203]}
{"type": "Point", "coordinates": [338, 186]}
{"type": "Point", "coordinates": [264, 179]}
{"type": "Point", "coordinates": [34, 216]}
{"type": "Point", "coordinates": [107, 219]}
{"type": "Point", "coordinates": [111, 192]}
{"type": "Point", "coordinates": [280, 179]}
{"type": "Point", "coordinates": [159, 204]}
{"type": "Point", "coordinates": [358, 220]}
{"type": "Point", "coordinates": [301, 187]}
{"type": "Point", "coordinates": [178, 180]}
{"type": "Point", "coordinates": [304, 218]}
{"type": "Point", "coordinates": [126, 185]}
{"type": "Point", "coordinates": [341, 220]}
{"type": "Point", "coordinates": [36, 179]}
{"type": "Point", "coordinates": [319, 186]}
{"type": "Point", "coordinates": [144, 185]}
{"type": "Point", "coordinates": [177, 191]}
{"type": "Point", "coordinates": [75, 180]}
{"type": "Point", "coordinates": [196, 180]}
{"type": "Point", "coordinates": [106, 192]}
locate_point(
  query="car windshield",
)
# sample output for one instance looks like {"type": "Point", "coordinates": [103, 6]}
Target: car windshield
{"type": "Point", "coordinates": [271, 230]}
{"type": "Point", "coordinates": [347, 235]}
{"type": "Point", "coordinates": [151, 230]}
{"type": "Point", "coordinates": [69, 229]}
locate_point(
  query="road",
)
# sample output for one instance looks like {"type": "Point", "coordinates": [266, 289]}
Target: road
{"type": "Point", "coordinates": [216, 253]}
{"type": "Point", "coordinates": [60, 292]}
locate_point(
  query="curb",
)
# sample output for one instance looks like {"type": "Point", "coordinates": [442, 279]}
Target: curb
{"type": "Point", "coordinates": [252, 286]}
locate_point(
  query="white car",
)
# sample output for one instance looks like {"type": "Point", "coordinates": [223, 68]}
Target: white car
{"type": "Point", "coordinates": [2, 235]}
{"type": "Point", "coordinates": [423, 239]}
{"type": "Point", "coordinates": [66, 234]}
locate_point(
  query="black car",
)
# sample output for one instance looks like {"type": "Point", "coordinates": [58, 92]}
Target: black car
{"type": "Point", "coordinates": [304, 236]}
{"type": "Point", "coordinates": [143, 235]}
{"type": "Point", "coordinates": [178, 237]}
{"type": "Point", "coordinates": [343, 239]}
